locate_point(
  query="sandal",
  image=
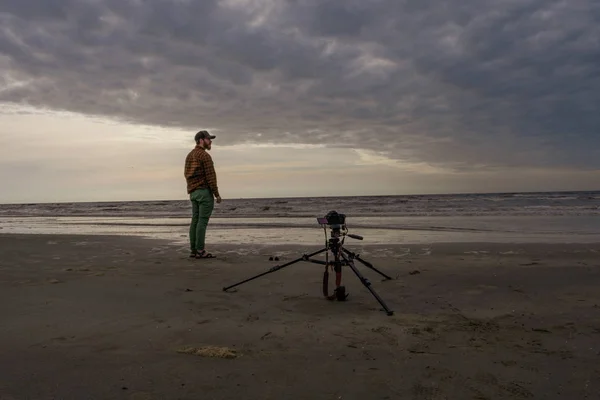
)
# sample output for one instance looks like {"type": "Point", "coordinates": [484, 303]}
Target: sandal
{"type": "Point", "coordinates": [204, 254]}
{"type": "Point", "coordinates": [193, 254]}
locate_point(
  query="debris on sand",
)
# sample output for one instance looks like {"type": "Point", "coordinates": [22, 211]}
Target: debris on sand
{"type": "Point", "coordinates": [209, 351]}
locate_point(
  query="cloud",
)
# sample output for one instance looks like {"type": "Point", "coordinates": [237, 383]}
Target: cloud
{"type": "Point", "coordinates": [454, 85]}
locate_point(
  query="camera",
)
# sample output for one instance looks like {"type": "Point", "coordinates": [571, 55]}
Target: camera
{"type": "Point", "coordinates": [334, 219]}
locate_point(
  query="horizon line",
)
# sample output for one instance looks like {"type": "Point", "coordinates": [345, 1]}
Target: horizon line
{"type": "Point", "coordinates": [320, 196]}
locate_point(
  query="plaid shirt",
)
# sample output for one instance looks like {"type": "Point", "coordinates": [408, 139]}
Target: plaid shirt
{"type": "Point", "coordinates": [200, 171]}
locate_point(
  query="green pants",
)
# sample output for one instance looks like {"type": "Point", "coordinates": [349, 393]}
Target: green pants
{"type": "Point", "coordinates": [203, 203]}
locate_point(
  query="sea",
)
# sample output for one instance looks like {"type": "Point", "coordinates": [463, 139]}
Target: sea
{"type": "Point", "coordinates": [541, 217]}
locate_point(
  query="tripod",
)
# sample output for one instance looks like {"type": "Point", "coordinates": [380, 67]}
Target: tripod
{"type": "Point", "coordinates": [341, 257]}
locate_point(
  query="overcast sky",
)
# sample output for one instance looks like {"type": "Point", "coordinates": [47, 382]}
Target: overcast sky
{"type": "Point", "coordinates": [100, 99]}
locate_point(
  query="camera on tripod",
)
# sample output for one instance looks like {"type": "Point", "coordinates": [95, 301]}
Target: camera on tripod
{"type": "Point", "coordinates": [340, 257]}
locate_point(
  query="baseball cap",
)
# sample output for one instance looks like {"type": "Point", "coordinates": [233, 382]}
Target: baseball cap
{"type": "Point", "coordinates": [203, 135]}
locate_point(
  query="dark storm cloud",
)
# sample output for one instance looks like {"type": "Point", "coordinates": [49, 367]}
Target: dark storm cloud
{"type": "Point", "coordinates": [462, 83]}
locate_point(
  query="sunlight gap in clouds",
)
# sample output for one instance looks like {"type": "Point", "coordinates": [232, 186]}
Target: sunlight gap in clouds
{"type": "Point", "coordinates": [65, 127]}
{"type": "Point", "coordinates": [245, 146]}
{"type": "Point", "coordinates": [8, 83]}
{"type": "Point", "coordinates": [372, 158]}
{"type": "Point", "coordinates": [73, 157]}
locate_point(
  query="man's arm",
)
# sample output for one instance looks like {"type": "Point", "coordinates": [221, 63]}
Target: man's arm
{"type": "Point", "coordinates": [211, 176]}
{"type": "Point", "coordinates": [190, 166]}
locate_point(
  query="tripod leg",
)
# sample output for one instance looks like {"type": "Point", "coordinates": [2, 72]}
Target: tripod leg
{"type": "Point", "coordinates": [367, 284]}
{"type": "Point", "coordinates": [366, 263]}
{"type": "Point", "coordinates": [276, 268]}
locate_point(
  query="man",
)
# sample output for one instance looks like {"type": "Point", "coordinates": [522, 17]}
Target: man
{"type": "Point", "coordinates": [202, 188]}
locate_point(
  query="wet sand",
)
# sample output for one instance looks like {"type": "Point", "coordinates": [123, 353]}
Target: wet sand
{"type": "Point", "coordinates": [106, 317]}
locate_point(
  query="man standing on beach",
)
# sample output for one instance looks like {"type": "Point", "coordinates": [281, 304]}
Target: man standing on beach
{"type": "Point", "coordinates": [202, 188]}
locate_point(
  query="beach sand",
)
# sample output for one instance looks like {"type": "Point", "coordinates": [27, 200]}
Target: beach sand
{"type": "Point", "coordinates": [106, 317]}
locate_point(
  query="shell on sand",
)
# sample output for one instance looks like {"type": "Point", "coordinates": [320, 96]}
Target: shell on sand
{"type": "Point", "coordinates": [209, 351]}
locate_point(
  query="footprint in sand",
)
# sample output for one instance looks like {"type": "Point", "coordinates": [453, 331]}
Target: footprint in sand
{"type": "Point", "coordinates": [480, 289]}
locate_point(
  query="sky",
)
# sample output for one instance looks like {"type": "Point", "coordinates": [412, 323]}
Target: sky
{"type": "Point", "coordinates": [100, 99]}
